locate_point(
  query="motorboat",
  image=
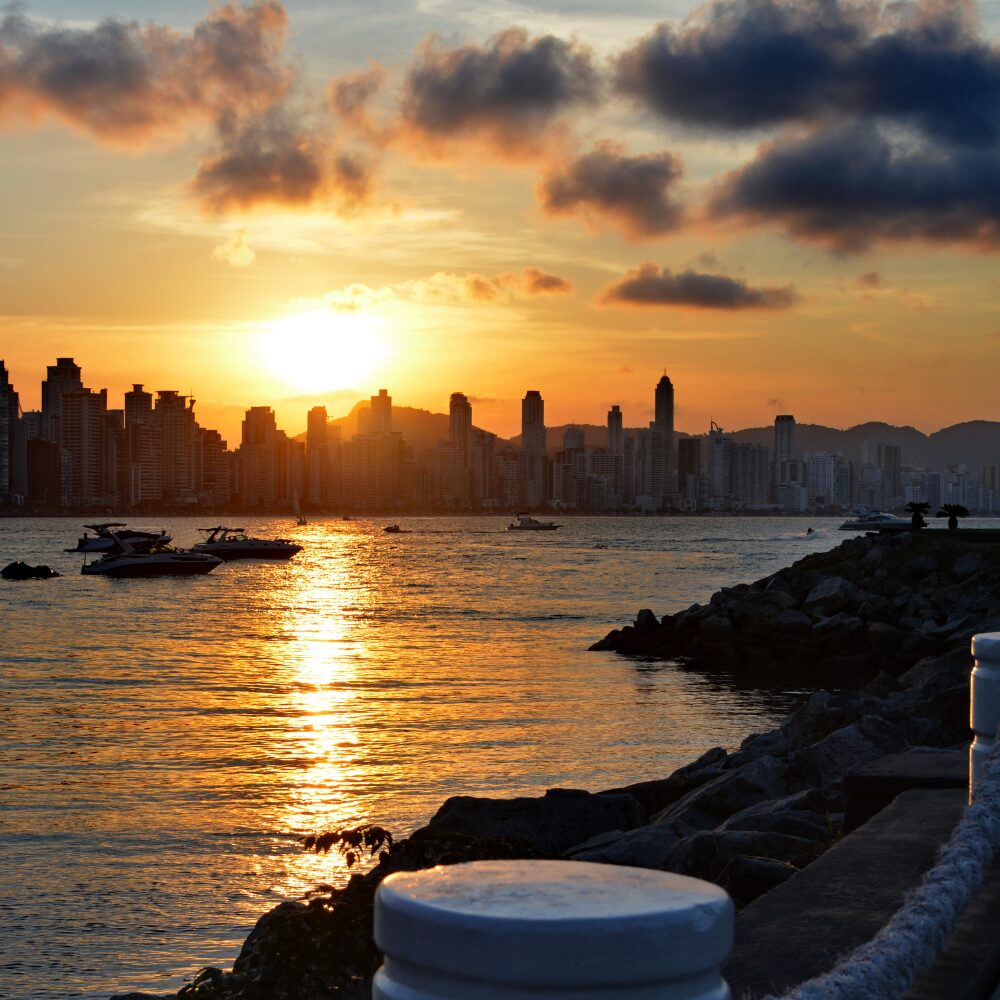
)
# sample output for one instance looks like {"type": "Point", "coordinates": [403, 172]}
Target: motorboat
{"type": "Point", "coordinates": [103, 539]}
{"type": "Point", "coordinates": [395, 529]}
{"type": "Point", "coordinates": [865, 519]}
{"type": "Point", "coordinates": [156, 559]}
{"type": "Point", "coordinates": [525, 522]}
{"type": "Point", "coordinates": [234, 543]}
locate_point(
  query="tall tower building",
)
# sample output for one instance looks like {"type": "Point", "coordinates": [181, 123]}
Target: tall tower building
{"type": "Point", "coordinates": [616, 435]}
{"type": "Point", "coordinates": [459, 441]}
{"type": "Point", "coordinates": [533, 462]}
{"type": "Point", "coordinates": [380, 420]}
{"type": "Point", "coordinates": [145, 471]}
{"type": "Point", "coordinates": [784, 438]}
{"type": "Point", "coordinates": [63, 376]}
{"type": "Point", "coordinates": [13, 442]}
{"type": "Point", "coordinates": [663, 440]}
{"type": "Point", "coordinates": [317, 460]}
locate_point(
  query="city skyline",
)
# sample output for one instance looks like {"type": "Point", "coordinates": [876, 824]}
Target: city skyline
{"type": "Point", "coordinates": [77, 452]}
{"type": "Point", "coordinates": [332, 209]}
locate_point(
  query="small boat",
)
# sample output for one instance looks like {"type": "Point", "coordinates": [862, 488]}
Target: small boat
{"type": "Point", "coordinates": [105, 534]}
{"type": "Point", "coordinates": [156, 559]}
{"type": "Point", "coordinates": [300, 521]}
{"type": "Point", "coordinates": [865, 519]}
{"type": "Point", "coordinates": [525, 522]}
{"type": "Point", "coordinates": [395, 529]}
{"type": "Point", "coordinates": [235, 543]}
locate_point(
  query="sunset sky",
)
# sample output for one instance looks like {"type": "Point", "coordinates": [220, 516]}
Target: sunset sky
{"type": "Point", "coordinates": [788, 206]}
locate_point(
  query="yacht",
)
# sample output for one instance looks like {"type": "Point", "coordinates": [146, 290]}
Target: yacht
{"type": "Point", "coordinates": [525, 522]}
{"type": "Point", "coordinates": [103, 539]}
{"type": "Point", "coordinates": [235, 543]}
{"type": "Point", "coordinates": [865, 519]}
{"type": "Point", "coordinates": [155, 559]}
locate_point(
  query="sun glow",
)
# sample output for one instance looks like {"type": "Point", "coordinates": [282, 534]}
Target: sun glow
{"type": "Point", "coordinates": [322, 349]}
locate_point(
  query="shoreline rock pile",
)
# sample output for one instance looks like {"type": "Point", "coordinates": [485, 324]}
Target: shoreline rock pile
{"type": "Point", "coordinates": [874, 603]}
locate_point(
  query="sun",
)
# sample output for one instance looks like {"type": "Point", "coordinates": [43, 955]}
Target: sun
{"type": "Point", "coordinates": [322, 349]}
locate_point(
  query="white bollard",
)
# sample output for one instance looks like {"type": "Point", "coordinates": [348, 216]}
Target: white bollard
{"type": "Point", "coordinates": [550, 930]}
{"type": "Point", "coordinates": [985, 715]}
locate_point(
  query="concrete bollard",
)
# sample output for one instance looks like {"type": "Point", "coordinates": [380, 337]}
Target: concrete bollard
{"type": "Point", "coordinates": [985, 714]}
{"type": "Point", "coordinates": [550, 930]}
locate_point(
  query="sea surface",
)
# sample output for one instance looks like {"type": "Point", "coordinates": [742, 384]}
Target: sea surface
{"type": "Point", "coordinates": [165, 743]}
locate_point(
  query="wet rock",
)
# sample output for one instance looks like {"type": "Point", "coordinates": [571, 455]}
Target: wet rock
{"type": "Point", "coordinates": [706, 807]}
{"type": "Point", "coordinates": [770, 744]}
{"type": "Point", "coordinates": [831, 758]}
{"type": "Point", "coordinates": [644, 847]}
{"type": "Point", "coordinates": [794, 822]}
{"type": "Point", "coordinates": [707, 854]}
{"type": "Point", "coordinates": [831, 595]}
{"type": "Point", "coordinates": [551, 824]}
{"type": "Point", "coordinates": [656, 795]}
{"type": "Point", "coordinates": [645, 619]}
{"type": "Point", "coordinates": [748, 878]}
{"type": "Point", "coordinates": [23, 571]}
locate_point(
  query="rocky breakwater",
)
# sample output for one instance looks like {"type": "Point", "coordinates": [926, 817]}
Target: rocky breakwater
{"type": "Point", "coordinates": [875, 603]}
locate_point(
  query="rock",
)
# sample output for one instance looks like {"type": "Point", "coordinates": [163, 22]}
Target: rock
{"type": "Point", "coordinates": [794, 822]}
{"type": "Point", "coordinates": [707, 854]}
{"type": "Point", "coordinates": [645, 619]}
{"type": "Point", "coordinates": [968, 565]}
{"type": "Point", "coordinates": [825, 712]}
{"type": "Point", "coordinates": [815, 800]}
{"type": "Point", "coordinates": [551, 824]}
{"type": "Point", "coordinates": [706, 807]}
{"type": "Point", "coordinates": [144, 996]}
{"type": "Point", "coordinates": [831, 595]}
{"type": "Point", "coordinates": [829, 760]}
{"type": "Point", "coordinates": [956, 663]}
{"type": "Point", "coordinates": [656, 795]}
{"type": "Point", "coordinates": [770, 744]}
{"type": "Point", "coordinates": [747, 878]}
{"type": "Point", "coordinates": [644, 847]}
{"type": "Point", "coordinates": [885, 639]}
{"type": "Point", "coordinates": [22, 571]}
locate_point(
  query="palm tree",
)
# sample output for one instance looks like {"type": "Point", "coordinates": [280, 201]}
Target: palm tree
{"type": "Point", "coordinates": [952, 511]}
{"type": "Point", "coordinates": [917, 508]}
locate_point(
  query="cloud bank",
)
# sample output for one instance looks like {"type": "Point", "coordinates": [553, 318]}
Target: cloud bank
{"type": "Point", "coordinates": [647, 285]}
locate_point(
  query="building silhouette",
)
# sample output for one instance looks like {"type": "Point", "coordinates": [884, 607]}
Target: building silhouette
{"type": "Point", "coordinates": [534, 471]}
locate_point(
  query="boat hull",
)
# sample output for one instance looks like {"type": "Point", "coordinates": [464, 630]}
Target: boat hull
{"type": "Point", "coordinates": [231, 555]}
{"type": "Point", "coordinates": [193, 568]}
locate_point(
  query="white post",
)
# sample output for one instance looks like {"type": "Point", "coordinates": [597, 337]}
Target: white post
{"type": "Point", "coordinates": [507, 930]}
{"type": "Point", "coordinates": [985, 715]}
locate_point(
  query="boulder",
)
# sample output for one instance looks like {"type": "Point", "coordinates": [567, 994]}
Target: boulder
{"type": "Point", "coordinates": [770, 744]}
{"type": "Point", "coordinates": [809, 800]}
{"type": "Point", "coordinates": [644, 847]}
{"type": "Point", "coordinates": [968, 565]}
{"type": "Point", "coordinates": [551, 824]}
{"type": "Point", "coordinates": [794, 822]}
{"type": "Point", "coordinates": [956, 663]}
{"type": "Point", "coordinates": [705, 807]}
{"type": "Point", "coordinates": [657, 794]}
{"type": "Point", "coordinates": [747, 878]}
{"type": "Point", "coordinates": [707, 854]}
{"type": "Point", "coordinates": [23, 571]}
{"type": "Point", "coordinates": [645, 619]}
{"type": "Point", "coordinates": [831, 595]}
{"type": "Point", "coordinates": [827, 762]}
{"type": "Point", "coordinates": [885, 639]}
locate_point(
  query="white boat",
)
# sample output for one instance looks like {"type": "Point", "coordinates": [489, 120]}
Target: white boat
{"type": "Point", "coordinates": [525, 522]}
{"type": "Point", "coordinates": [153, 560]}
{"type": "Point", "coordinates": [865, 519]}
{"type": "Point", "coordinates": [235, 543]}
{"type": "Point", "coordinates": [105, 534]}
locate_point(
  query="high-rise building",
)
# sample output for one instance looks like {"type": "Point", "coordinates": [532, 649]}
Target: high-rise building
{"type": "Point", "coordinates": [175, 430]}
{"type": "Point", "coordinates": [13, 444]}
{"type": "Point", "coordinates": [83, 434]}
{"type": "Point", "coordinates": [457, 487]}
{"type": "Point", "coordinates": [145, 473]}
{"type": "Point", "coordinates": [64, 376]}
{"type": "Point", "coordinates": [750, 475]}
{"type": "Point", "coordinates": [616, 436]}
{"type": "Point", "coordinates": [663, 443]}
{"type": "Point", "coordinates": [784, 438]}
{"type": "Point", "coordinates": [889, 460]}
{"type": "Point", "coordinates": [260, 462]}
{"type": "Point", "coordinates": [689, 467]}
{"type": "Point", "coordinates": [720, 448]}
{"type": "Point", "coordinates": [533, 449]}
{"type": "Point", "coordinates": [380, 416]}
{"type": "Point", "coordinates": [317, 462]}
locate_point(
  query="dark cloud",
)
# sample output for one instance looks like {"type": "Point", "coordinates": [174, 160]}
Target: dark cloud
{"type": "Point", "coordinates": [126, 82]}
{"type": "Point", "coordinates": [749, 63]}
{"type": "Point", "coordinates": [647, 285]}
{"type": "Point", "coordinates": [852, 186]}
{"type": "Point", "coordinates": [632, 192]}
{"type": "Point", "coordinates": [506, 90]}
{"type": "Point", "coordinates": [351, 97]}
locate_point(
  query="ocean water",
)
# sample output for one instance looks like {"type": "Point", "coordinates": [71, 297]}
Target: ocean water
{"type": "Point", "coordinates": [165, 743]}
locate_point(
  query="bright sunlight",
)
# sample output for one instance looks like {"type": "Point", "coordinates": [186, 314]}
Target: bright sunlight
{"type": "Point", "coordinates": [321, 349]}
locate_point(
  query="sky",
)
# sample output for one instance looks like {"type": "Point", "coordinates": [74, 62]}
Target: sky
{"type": "Point", "coordinates": [789, 207]}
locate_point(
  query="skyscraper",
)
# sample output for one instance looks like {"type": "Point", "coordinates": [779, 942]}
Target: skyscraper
{"type": "Point", "coordinates": [380, 421]}
{"type": "Point", "coordinates": [784, 438]}
{"type": "Point", "coordinates": [459, 441]}
{"type": "Point", "coordinates": [616, 436]}
{"type": "Point", "coordinates": [663, 440]}
{"type": "Point", "coordinates": [13, 442]}
{"type": "Point", "coordinates": [533, 463]}
{"type": "Point", "coordinates": [63, 376]}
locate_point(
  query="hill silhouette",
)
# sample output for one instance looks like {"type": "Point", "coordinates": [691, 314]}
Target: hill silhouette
{"type": "Point", "coordinates": [974, 442]}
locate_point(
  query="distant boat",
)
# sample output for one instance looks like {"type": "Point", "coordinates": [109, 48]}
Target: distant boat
{"type": "Point", "coordinates": [300, 521]}
{"type": "Point", "coordinates": [156, 559]}
{"type": "Point", "coordinates": [235, 543]}
{"type": "Point", "coordinates": [525, 522]}
{"type": "Point", "coordinates": [865, 519]}
{"type": "Point", "coordinates": [395, 529]}
{"type": "Point", "coordinates": [105, 534]}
